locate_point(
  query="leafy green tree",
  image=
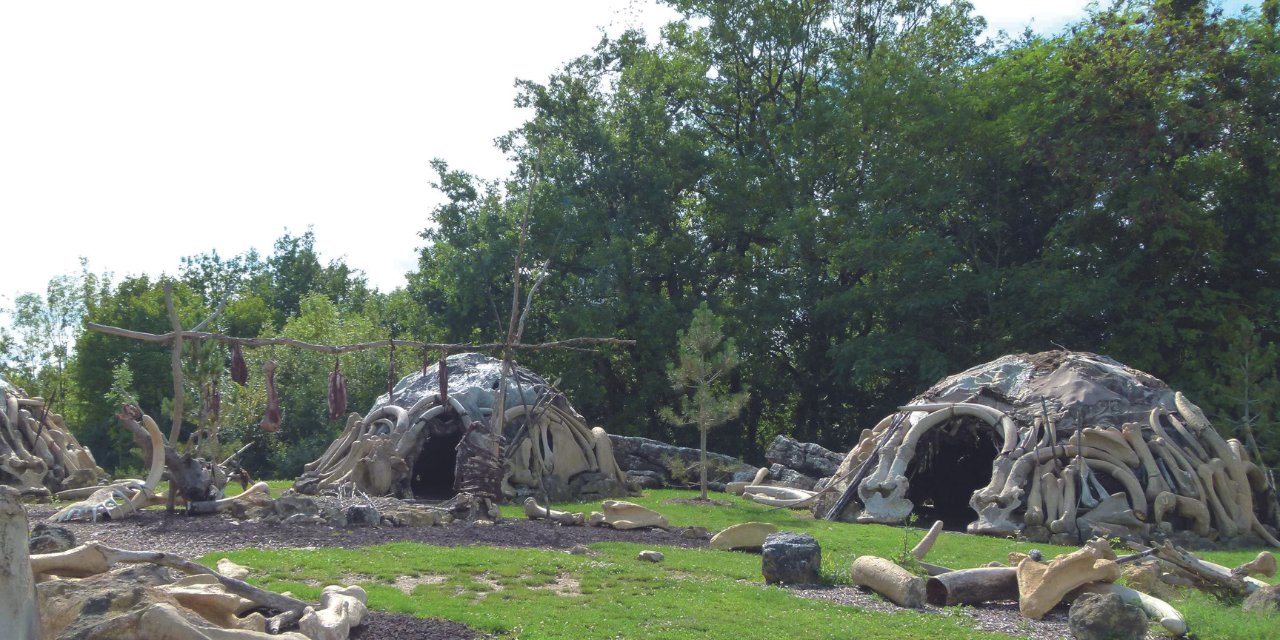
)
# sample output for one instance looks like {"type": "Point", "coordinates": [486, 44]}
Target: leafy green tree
{"type": "Point", "coordinates": [700, 374]}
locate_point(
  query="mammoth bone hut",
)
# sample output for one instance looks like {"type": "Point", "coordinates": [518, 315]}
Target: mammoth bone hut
{"type": "Point", "coordinates": [1055, 445]}
{"type": "Point", "coordinates": [430, 438]}
{"type": "Point", "coordinates": [39, 455]}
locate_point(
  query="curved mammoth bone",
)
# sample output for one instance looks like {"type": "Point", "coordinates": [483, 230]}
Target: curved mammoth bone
{"type": "Point", "coordinates": [103, 502]}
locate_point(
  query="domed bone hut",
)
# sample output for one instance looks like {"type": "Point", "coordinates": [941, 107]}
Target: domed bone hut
{"type": "Point", "coordinates": [408, 445]}
{"type": "Point", "coordinates": [38, 453]}
{"type": "Point", "coordinates": [996, 448]}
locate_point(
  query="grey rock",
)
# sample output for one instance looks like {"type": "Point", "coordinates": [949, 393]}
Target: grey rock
{"type": "Point", "coordinates": [1106, 616]}
{"type": "Point", "coordinates": [1187, 540]}
{"type": "Point", "coordinates": [791, 558]}
{"type": "Point", "coordinates": [650, 556]}
{"type": "Point", "coordinates": [577, 550]}
{"type": "Point", "coordinates": [557, 490]}
{"type": "Point", "coordinates": [1265, 601]}
{"type": "Point", "coordinates": [1247, 541]}
{"type": "Point", "coordinates": [718, 487]}
{"type": "Point", "coordinates": [806, 458]}
{"type": "Point", "coordinates": [646, 479]}
{"type": "Point", "coordinates": [1037, 533]}
{"type": "Point", "coordinates": [303, 518]}
{"type": "Point", "coordinates": [48, 538]}
{"type": "Point", "coordinates": [786, 477]}
{"type": "Point", "coordinates": [360, 515]}
{"type": "Point", "coordinates": [695, 533]}
{"type": "Point", "coordinates": [292, 504]}
{"type": "Point", "coordinates": [1091, 529]}
{"type": "Point", "coordinates": [643, 454]}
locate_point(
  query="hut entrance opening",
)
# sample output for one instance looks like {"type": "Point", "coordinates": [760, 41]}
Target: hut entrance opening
{"type": "Point", "coordinates": [952, 461]}
{"type": "Point", "coordinates": [433, 471]}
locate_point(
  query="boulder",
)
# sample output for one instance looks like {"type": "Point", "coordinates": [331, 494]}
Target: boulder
{"type": "Point", "coordinates": [577, 550]}
{"type": "Point", "coordinates": [627, 515]}
{"type": "Point", "coordinates": [363, 515]}
{"type": "Point", "coordinates": [303, 518]}
{"type": "Point", "coordinates": [695, 533]}
{"type": "Point", "coordinates": [47, 538]}
{"type": "Point", "coordinates": [791, 558]}
{"type": "Point", "coordinates": [747, 536]}
{"type": "Point", "coordinates": [805, 457]}
{"type": "Point", "coordinates": [408, 516]}
{"type": "Point", "coordinates": [785, 477]}
{"type": "Point", "coordinates": [650, 556]}
{"type": "Point", "coordinates": [643, 454]}
{"type": "Point", "coordinates": [1265, 601]}
{"type": "Point", "coordinates": [1106, 617]}
{"type": "Point", "coordinates": [293, 504]}
{"type": "Point", "coordinates": [645, 479]}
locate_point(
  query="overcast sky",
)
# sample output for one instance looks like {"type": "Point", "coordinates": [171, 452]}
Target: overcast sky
{"type": "Point", "coordinates": [136, 133]}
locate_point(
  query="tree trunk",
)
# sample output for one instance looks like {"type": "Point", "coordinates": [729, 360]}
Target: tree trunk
{"type": "Point", "coordinates": [17, 584]}
{"type": "Point", "coordinates": [702, 461]}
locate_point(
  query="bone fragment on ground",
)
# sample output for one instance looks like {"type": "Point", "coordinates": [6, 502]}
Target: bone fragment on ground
{"type": "Point", "coordinates": [627, 515]}
{"type": "Point", "coordinates": [743, 536]}
{"type": "Point", "coordinates": [762, 474]}
{"type": "Point", "coordinates": [534, 512]}
{"type": "Point", "coordinates": [1042, 586]}
{"type": "Point", "coordinates": [889, 580]}
{"type": "Point", "coordinates": [922, 548]}
{"type": "Point", "coordinates": [232, 570]}
{"type": "Point", "coordinates": [1263, 565]}
{"type": "Point", "coordinates": [340, 609]}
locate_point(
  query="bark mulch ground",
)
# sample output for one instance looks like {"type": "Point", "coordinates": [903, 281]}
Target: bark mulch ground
{"type": "Point", "coordinates": [195, 536]}
{"type": "Point", "coordinates": [1001, 617]}
{"type": "Point", "coordinates": [402, 626]}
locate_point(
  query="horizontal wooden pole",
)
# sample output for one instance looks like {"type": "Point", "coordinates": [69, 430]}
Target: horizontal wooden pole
{"type": "Point", "coordinates": [253, 343]}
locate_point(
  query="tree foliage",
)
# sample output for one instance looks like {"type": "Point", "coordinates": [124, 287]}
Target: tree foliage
{"type": "Point", "coordinates": [869, 193]}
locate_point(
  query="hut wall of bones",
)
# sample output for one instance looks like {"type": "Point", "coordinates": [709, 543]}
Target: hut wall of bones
{"type": "Point", "coordinates": [412, 444]}
{"type": "Point", "coordinates": [38, 453]}
{"type": "Point", "coordinates": [996, 450]}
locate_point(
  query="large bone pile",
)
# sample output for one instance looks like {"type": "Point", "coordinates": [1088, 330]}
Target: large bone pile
{"type": "Point", "coordinates": [38, 454]}
{"type": "Point", "coordinates": [1084, 441]}
{"type": "Point", "coordinates": [92, 591]}
{"type": "Point", "coordinates": [545, 444]}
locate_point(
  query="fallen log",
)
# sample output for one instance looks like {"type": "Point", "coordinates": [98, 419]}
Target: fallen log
{"type": "Point", "coordinates": [972, 586]}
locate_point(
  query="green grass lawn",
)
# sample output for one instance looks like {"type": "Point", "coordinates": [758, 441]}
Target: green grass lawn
{"type": "Point", "coordinates": [539, 593]}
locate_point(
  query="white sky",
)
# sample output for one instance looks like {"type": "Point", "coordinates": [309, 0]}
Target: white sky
{"type": "Point", "coordinates": [137, 133]}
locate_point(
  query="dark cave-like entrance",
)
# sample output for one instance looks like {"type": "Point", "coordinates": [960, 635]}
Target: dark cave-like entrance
{"type": "Point", "coordinates": [952, 461]}
{"type": "Point", "coordinates": [432, 477]}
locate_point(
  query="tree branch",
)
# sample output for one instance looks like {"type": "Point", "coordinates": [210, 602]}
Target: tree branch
{"type": "Point", "coordinates": [254, 343]}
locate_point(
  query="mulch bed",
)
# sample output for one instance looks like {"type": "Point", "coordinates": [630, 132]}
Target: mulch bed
{"type": "Point", "coordinates": [698, 502]}
{"type": "Point", "coordinates": [1000, 617]}
{"type": "Point", "coordinates": [402, 626]}
{"type": "Point", "coordinates": [195, 536]}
